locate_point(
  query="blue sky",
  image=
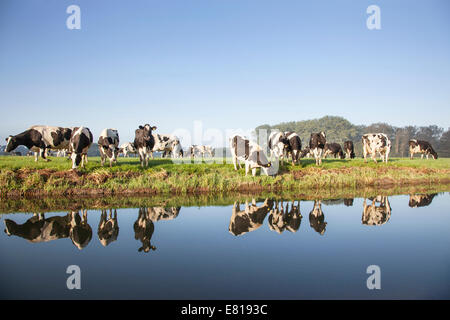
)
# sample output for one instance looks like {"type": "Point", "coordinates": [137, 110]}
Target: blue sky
{"type": "Point", "coordinates": [229, 63]}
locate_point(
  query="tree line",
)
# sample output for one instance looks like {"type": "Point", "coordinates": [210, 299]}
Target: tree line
{"type": "Point", "coordinates": [339, 129]}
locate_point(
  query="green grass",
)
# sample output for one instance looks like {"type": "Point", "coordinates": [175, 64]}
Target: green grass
{"type": "Point", "coordinates": [22, 176]}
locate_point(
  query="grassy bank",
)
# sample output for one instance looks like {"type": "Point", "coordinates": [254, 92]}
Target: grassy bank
{"type": "Point", "coordinates": [21, 176]}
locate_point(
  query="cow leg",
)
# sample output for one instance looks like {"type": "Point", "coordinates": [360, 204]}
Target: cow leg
{"type": "Point", "coordinates": [36, 155]}
{"type": "Point", "coordinates": [254, 172]}
{"type": "Point", "coordinates": [247, 167]}
{"type": "Point", "coordinates": [234, 159]}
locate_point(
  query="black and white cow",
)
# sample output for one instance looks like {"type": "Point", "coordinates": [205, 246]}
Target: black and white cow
{"type": "Point", "coordinates": [80, 231]}
{"type": "Point", "coordinates": [334, 149]}
{"type": "Point", "coordinates": [306, 153]}
{"type": "Point", "coordinates": [317, 219]}
{"type": "Point", "coordinates": [420, 200]}
{"type": "Point", "coordinates": [374, 215]}
{"type": "Point", "coordinates": [349, 149]}
{"type": "Point", "coordinates": [79, 144]}
{"type": "Point", "coordinates": [168, 144]}
{"type": "Point", "coordinates": [40, 138]}
{"type": "Point", "coordinates": [108, 227]}
{"type": "Point", "coordinates": [376, 142]}
{"type": "Point", "coordinates": [294, 145]}
{"type": "Point", "coordinates": [127, 148]}
{"type": "Point", "coordinates": [317, 143]}
{"type": "Point", "coordinates": [421, 146]}
{"type": "Point", "coordinates": [196, 150]}
{"type": "Point", "coordinates": [251, 153]}
{"type": "Point", "coordinates": [108, 145]}
{"type": "Point", "coordinates": [277, 144]}
{"type": "Point", "coordinates": [249, 219]}
{"type": "Point", "coordinates": [143, 230]}
{"type": "Point", "coordinates": [144, 142]}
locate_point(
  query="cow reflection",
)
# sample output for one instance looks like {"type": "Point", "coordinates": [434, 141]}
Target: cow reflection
{"type": "Point", "coordinates": [374, 215]}
{"type": "Point", "coordinates": [348, 202]}
{"type": "Point", "coordinates": [317, 219]}
{"type": "Point", "coordinates": [250, 219]}
{"type": "Point", "coordinates": [108, 227]}
{"type": "Point", "coordinates": [421, 200]}
{"type": "Point", "coordinates": [281, 219]}
{"type": "Point", "coordinates": [40, 229]}
{"type": "Point", "coordinates": [143, 229]}
{"type": "Point", "coordinates": [160, 213]}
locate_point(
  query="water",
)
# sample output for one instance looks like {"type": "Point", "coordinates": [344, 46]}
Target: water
{"type": "Point", "coordinates": [219, 252]}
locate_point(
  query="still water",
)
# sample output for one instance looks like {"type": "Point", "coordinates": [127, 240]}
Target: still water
{"type": "Point", "coordinates": [254, 249]}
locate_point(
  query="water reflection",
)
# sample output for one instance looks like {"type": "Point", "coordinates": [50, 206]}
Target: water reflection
{"type": "Point", "coordinates": [250, 219]}
{"type": "Point", "coordinates": [246, 217]}
{"type": "Point", "coordinates": [376, 215]}
{"type": "Point", "coordinates": [40, 229]}
{"type": "Point", "coordinates": [108, 227]}
{"type": "Point", "coordinates": [421, 200]}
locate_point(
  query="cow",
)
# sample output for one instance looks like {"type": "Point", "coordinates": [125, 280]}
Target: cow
{"type": "Point", "coordinates": [349, 149]}
{"type": "Point", "coordinates": [374, 215]}
{"type": "Point", "coordinates": [144, 142]}
{"type": "Point", "coordinates": [251, 153]}
{"type": "Point", "coordinates": [127, 148]}
{"type": "Point", "coordinates": [423, 147]}
{"type": "Point", "coordinates": [317, 143]}
{"type": "Point", "coordinates": [40, 138]}
{"type": "Point", "coordinates": [306, 153]}
{"type": "Point", "coordinates": [201, 150]}
{"type": "Point", "coordinates": [294, 146]}
{"type": "Point", "coordinates": [281, 219]}
{"type": "Point", "coordinates": [317, 219]}
{"type": "Point", "coordinates": [79, 144]}
{"type": "Point", "coordinates": [334, 149]}
{"type": "Point", "coordinates": [108, 227]}
{"type": "Point", "coordinates": [249, 219]}
{"type": "Point", "coordinates": [277, 144]}
{"type": "Point", "coordinates": [420, 200]}
{"type": "Point", "coordinates": [168, 144]}
{"type": "Point", "coordinates": [143, 230]}
{"type": "Point", "coordinates": [376, 142]}
{"type": "Point", "coordinates": [108, 145]}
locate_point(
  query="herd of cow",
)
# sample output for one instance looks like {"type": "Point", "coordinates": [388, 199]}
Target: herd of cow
{"type": "Point", "coordinates": [281, 217]}
{"type": "Point", "coordinates": [76, 141]}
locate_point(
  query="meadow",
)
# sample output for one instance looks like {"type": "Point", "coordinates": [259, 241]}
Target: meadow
{"type": "Point", "coordinates": [21, 176]}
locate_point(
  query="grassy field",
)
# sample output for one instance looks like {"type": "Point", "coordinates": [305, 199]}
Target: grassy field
{"type": "Point", "coordinates": [21, 176]}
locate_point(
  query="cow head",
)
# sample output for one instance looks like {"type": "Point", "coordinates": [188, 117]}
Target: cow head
{"type": "Point", "coordinates": [11, 143]}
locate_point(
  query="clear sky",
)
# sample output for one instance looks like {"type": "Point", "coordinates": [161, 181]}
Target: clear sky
{"type": "Point", "coordinates": [229, 63]}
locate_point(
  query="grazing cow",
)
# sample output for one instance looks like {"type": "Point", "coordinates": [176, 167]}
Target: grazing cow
{"type": "Point", "coordinates": [201, 150]}
{"type": "Point", "coordinates": [143, 230]}
{"type": "Point", "coordinates": [317, 219]}
{"type": "Point", "coordinates": [376, 142]}
{"type": "Point", "coordinates": [250, 219]}
{"type": "Point", "coordinates": [317, 143]}
{"type": "Point", "coordinates": [294, 146]}
{"type": "Point", "coordinates": [306, 153]}
{"type": "Point", "coordinates": [423, 147]}
{"type": "Point", "coordinates": [108, 227]}
{"type": "Point", "coordinates": [80, 141]}
{"type": "Point", "coordinates": [374, 215]}
{"type": "Point", "coordinates": [277, 144]}
{"type": "Point", "coordinates": [168, 144]}
{"type": "Point", "coordinates": [334, 149]}
{"type": "Point", "coordinates": [127, 148]}
{"type": "Point", "coordinates": [108, 145]}
{"type": "Point", "coordinates": [40, 138]}
{"type": "Point", "coordinates": [251, 153]}
{"type": "Point", "coordinates": [39, 229]}
{"type": "Point", "coordinates": [281, 219]}
{"type": "Point", "coordinates": [420, 200]}
{"type": "Point", "coordinates": [144, 142]}
{"type": "Point", "coordinates": [349, 149]}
